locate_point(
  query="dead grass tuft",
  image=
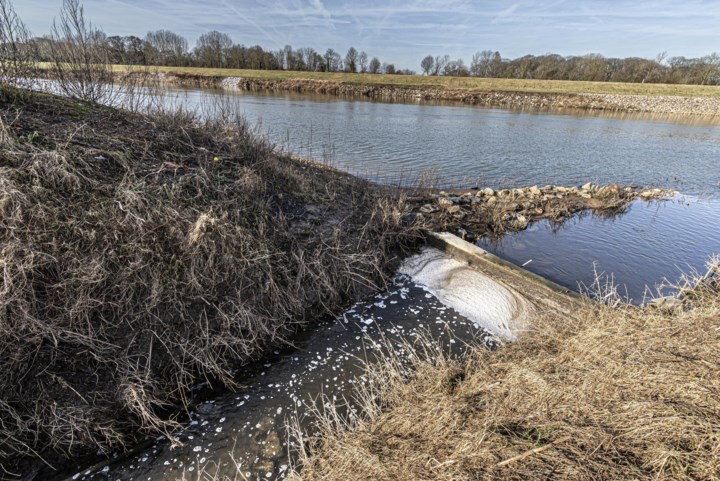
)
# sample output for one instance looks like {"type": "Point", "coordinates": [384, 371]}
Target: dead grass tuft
{"type": "Point", "coordinates": [615, 393]}
{"type": "Point", "coordinates": [142, 254]}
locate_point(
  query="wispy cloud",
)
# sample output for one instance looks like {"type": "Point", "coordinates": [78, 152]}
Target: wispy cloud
{"type": "Point", "coordinates": [404, 31]}
{"type": "Point", "coordinates": [505, 13]}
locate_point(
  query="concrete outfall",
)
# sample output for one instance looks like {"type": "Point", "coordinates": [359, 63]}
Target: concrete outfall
{"type": "Point", "coordinates": [543, 294]}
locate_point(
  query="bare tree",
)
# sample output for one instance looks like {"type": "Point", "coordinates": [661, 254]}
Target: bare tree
{"type": "Point", "coordinates": [456, 68]}
{"type": "Point", "coordinates": [485, 63]}
{"type": "Point", "coordinates": [374, 66]}
{"type": "Point", "coordinates": [363, 62]}
{"type": "Point", "coordinates": [351, 59]}
{"type": "Point", "coordinates": [333, 61]}
{"type": "Point", "coordinates": [389, 68]}
{"type": "Point", "coordinates": [440, 63]}
{"type": "Point", "coordinates": [168, 47]}
{"type": "Point", "coordinates": [16, 59]}
{"type": "Point", "coordinates": [80, 56]}
{"type": "Point", "coordinates": [427, 64]}
{"type": "Point", "coordinates": [211, 49]}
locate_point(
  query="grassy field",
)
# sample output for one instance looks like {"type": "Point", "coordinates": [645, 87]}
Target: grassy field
{"type": "Point", "coordinates": [470, 83]}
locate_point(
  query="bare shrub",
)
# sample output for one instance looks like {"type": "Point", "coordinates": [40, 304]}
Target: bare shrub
{"type": "Point", "coordinates": [80, 56]}
{"type": "Point", "coordinates": [16, 59]}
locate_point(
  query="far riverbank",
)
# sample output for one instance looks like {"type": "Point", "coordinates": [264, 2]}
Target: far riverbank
{"type": "Point", "coordinates": [531, 94]}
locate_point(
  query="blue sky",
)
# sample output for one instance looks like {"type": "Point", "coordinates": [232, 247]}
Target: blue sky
{"type": "Point", "coordinates": [405, 31]}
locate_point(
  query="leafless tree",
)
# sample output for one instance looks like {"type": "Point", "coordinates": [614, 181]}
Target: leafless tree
{"type": "Point", "coordinates": [456, 68]}
{"type": "Point", "coordinates": [351, 59]}
{"type": "Point", "coordinates": [427, 64]}
{"type": "Point", "coordinates": [374, 66]}
{"type": "Point", "coordinates": [440, 63]}
{"type": "Point", "coordinates": [167, 48]}
{"type": "Point", "coordinates": [16, 59]}
{"type": "Point", "coordinates": [333, 61]}
{"type": "Point", "coordinates": [79, 54]}
{"type": "Point", "coordinates": [212, 48]}
{"type": "Point", "coordinates": [363, 62]}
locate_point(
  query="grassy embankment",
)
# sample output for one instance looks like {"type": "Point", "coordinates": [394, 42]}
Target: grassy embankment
{"type": "Point", "coordinates": [141, 254]}
{"type": "Point", "coordinates": [612, 393]}
{"type": "Point", "coordinates": [467, 83]}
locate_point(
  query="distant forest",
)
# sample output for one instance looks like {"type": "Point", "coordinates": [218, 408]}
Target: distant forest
{"type": "Point", "coordinates": [217, 50]}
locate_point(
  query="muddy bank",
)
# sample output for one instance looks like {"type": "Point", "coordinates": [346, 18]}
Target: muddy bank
{"type": "Point", "coordinates": [670, 105]}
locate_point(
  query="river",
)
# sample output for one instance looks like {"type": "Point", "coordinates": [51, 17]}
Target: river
{"type": "Point", "coordinates": [462, 146]}
{"type": "Point", "coordinates": [465, 146]}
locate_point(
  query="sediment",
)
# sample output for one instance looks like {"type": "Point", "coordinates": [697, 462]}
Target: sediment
{"type": "Point", "coordinates": [667, 105]}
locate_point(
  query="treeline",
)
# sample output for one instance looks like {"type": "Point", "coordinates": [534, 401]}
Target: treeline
{"type": "Point", "coordinates": [217, 50]}
{"type": "Point", "coordinates": [594, 67]}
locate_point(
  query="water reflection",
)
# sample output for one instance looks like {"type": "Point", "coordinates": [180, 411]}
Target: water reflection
{"type": "Point", "coordinates": [465, 145]}
{"type": "Point", "coordinates": [642, 250]}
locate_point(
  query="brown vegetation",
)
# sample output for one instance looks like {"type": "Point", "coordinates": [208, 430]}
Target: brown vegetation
{"type": "Point", "coordinates": [609, 393]}
{"type": "Point", "coordinates": [487, 212]}
{"type": "Point", "coordinates": [142, 253]}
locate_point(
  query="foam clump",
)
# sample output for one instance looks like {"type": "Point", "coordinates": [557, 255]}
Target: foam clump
{"type": "Point", "coordinates": [485, 302]}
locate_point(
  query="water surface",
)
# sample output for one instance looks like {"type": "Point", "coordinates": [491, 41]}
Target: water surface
{"type": "Point", "coordinates": [644, 251]}
{"type": "Point", "coordinates": [466, 145]}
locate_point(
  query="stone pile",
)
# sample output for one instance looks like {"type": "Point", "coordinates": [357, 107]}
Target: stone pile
{"type": "Point", "coordinates": [484, 209]}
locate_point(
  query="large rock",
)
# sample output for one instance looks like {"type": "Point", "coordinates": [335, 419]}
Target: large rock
{"type": "Point", "coordinates": [535, 190]}
{"type": "Point", "coordinates": [453, 209]}
{"type": "Point", "coordinates": [445, 202]}
{"type": "Point", "coordinates": [520, 222]}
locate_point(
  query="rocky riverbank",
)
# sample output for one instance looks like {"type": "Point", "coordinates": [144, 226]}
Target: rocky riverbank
{"type": "Point", "coordinates": [477, 213]}
{"type": "Point", "coordinates": [667, 105]}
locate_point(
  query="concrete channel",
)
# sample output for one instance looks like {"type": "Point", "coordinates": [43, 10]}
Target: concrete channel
{"type": "Point", "coordinates": [453, 296]}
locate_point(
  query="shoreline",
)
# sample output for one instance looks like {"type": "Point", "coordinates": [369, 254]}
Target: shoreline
{"type": "Point", "coordinates": [664, 104]}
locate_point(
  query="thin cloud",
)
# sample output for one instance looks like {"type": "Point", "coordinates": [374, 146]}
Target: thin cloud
{"type": "Point", "coordinates": [507, 13]}
{"type": "Point", "coordinates": [404, 31]}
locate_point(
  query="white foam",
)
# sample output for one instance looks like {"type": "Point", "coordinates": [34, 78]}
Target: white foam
{"type": "Point", "coordinates": [485, 302]}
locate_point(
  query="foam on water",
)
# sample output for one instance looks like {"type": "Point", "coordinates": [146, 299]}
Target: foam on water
{"type": "Point", "coordinates": [485, 302]}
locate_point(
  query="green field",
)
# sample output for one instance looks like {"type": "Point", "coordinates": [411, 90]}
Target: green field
{"type": "Point", "coordinates": [469, 83]}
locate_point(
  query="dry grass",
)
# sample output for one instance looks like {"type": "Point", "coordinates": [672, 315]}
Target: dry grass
{"type": "Point", "coordinates": [142, 253]}
{"type": "Point", "coordinates": [614, 393]}
{"type": "Point", "coordinates": [461, 83]}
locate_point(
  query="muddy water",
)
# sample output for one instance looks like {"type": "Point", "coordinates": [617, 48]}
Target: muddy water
{"type": "Point", "coordinates": [241, 434]}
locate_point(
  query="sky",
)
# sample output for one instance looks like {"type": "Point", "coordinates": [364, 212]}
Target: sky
{"type": "Point", "coordinates": [403, 32]}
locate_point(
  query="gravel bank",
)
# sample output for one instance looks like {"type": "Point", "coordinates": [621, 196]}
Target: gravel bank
{"type": "Point", "coordinates": [669, 105]}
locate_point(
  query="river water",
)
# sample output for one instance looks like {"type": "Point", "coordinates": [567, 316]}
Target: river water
{"type": "Point", "coordinates": [463, 146]}
{"type": "Point", "coordinates": [466, 146]}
